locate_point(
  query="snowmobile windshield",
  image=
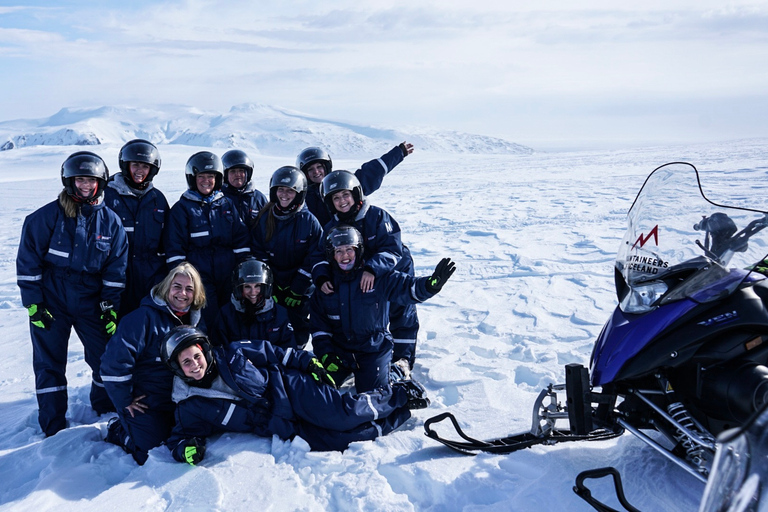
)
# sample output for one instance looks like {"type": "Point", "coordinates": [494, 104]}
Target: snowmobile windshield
{"type": "Point", "coordinates": [680, 244]}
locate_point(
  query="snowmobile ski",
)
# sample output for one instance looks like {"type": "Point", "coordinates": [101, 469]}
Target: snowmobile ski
{"type": "Point", "coordinates": [513, 443]}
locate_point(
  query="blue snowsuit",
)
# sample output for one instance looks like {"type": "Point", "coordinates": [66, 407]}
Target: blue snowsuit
{"type": "Point", "coordinates": [69, 265]}
{"type": "Point", "coordinates": [384, 251]}
{"type": "Point", "coordinates": [209, 234]}
{"type": "Point", "coordinates": [263, 390]}
{"type": "Point", "coordinates": [270, 323]}
{"type": "Point", "coordinates": [132, 367]}
{"type": "Point", "coordinates": [248, 200]}
{"type": "Point", "coordinates": [353, 324]}
{"type": "Point", "coordinates": [291, 252]}
{"type": "Point", "coordinates": [370, 175]}
{"type": "Point", "coordinates": [143, 213]}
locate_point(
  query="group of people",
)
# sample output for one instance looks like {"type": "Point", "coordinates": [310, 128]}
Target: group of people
{"type": "Point", "coordinates": [194, 318]}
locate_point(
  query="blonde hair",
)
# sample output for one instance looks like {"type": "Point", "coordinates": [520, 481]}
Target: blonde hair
{"type": "Point", "coordinates": [162, 289]}
{"type": "Point", "coordinates": [71, 208]}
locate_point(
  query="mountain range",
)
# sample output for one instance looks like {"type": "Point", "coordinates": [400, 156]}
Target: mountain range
{"type": "Point", "coordinates": [259, 129]}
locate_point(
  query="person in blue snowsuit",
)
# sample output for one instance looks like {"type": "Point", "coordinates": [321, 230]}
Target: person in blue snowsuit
{"type": "Point", "coordinates": [238, 185]}
{"type": "Point", "coordinates": [143, 209]}
{"type": "Point", "coordinates": [349, 325]}
{"type": "Point", "coordinates": [316, 164]}
{"type": "Point", "coordinates": [71, 271]}
{"type": "Point", "coordinates": [205, 229]}
{"type": "Point", "coordinates": [344, 196]}
{"type": "Point", "coordinates": [135, 378]}
{"type": "Point", "coordinates": [252, 314]}
{"type": "Point", "coordinates": [255, 387]}
{"type": "Point", "coordinates": [287, 236]}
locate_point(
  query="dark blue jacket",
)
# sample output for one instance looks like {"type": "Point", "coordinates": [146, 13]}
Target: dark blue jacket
{"type": "Point", "coordinates": [293, 249]}
{"type": "Point", "coordinates": [208, 233]}
{"type": "Point", "coordinates": [253, 371]}
{"type": "Point", "coordinates": [381, 240]}
{"type": "Point", "coordinates": [249, 201]}
{"type": "Point", "coordinates": [92, 245]}
{"type": "Point", "coordinates": [349, 320]}
{"type": "Point", "coordinates": [131, 365]}
{"type": "Point", "coordinates": [143, 214]}
{"type": "Point", "coordinates": [271, 324]}
{"type": "Point", "coordinates": [370, 175]}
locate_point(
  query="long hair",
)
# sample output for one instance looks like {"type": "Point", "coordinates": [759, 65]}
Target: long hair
{"type": "Point", "coordinates": [270, 222]}
{"type": "Point", "coordinates": [162, 289]}
{"type": "Point", "coordinates": [71, 208]}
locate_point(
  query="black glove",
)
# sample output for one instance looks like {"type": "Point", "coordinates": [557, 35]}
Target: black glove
{"type": "Point", "coordinates": [108, 317]}
{"type": "Point", "coordinates": [332, 362]}
{"type": "Point", "coordinates": [194, 451]}
{"type": "Point", "coordinates": [443, 271]}
{"type": "Point", "coordinates": [319, 373]}
{"type": "Point", "coordinates": [279, 294]}
{"type": "Point", "coordinates": [293, 299]}
{"type": "Point", "coordinates": [39, 316]}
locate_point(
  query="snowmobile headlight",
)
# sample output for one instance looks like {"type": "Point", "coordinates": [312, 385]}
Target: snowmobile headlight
{"type": "Point", "coordinates": [729, 470]}
{"type": "Point", "coordinates": [642, 297]}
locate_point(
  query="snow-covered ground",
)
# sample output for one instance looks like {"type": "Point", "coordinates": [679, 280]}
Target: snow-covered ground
{"type": "Point", "coordinates": [534, 238]}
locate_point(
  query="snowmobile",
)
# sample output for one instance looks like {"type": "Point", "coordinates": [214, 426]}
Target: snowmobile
{"type": "Point", "coordinates": [684, 355]}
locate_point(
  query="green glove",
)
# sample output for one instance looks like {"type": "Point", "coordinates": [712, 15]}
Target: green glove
{"type": "Point", "coordinates": [108, 318]}
{"type": "Point", "coordinates": [39, 316]}
{"type": "Point", "coordinates": [293, 300]}
{"type": "Point", "coordinates": [332, 362]}
{"type": "Point", "coordinates": [319, 373]}
{"type": "Point", "coordinates": [194, 452]}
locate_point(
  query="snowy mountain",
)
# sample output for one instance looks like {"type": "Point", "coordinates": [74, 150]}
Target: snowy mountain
{"type": "Point", "coordinates": [259, 129]}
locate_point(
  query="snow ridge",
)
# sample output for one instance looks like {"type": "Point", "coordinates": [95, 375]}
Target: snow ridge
{"type": "Point", "coordinates": [260, 129]}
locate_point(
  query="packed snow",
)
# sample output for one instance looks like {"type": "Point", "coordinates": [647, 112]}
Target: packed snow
{"type": "Point", "coordinates": [534, 238]}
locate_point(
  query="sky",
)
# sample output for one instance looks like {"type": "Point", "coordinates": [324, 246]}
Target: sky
{"type": "Point", "coordinates": [546, 74]}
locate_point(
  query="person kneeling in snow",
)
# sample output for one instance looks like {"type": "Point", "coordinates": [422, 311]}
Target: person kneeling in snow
{"type": "Point", "coordinates": [258, 388]}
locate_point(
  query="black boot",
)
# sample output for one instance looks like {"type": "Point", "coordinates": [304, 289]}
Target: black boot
{"type": "Point", "coordinates": [417, 395]}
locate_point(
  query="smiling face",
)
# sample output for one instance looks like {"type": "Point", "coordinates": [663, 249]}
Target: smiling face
{"type": "Point", "coordinates": [192, 362]}
{"type": "Point", "coordinates": [343, 201]}
{"type": "Point", "coordinates": [206, 181]}
{"type": "Point", "coordinates": [181, 294]}
{"type": "Point", "coordinates": [139, 171]}
{"type": "Point", "coordinates": [286, 196]}
{"type": "Point", "coordinates": [315, 172]}
{"type": "Point", "coordinates": [86, 186]}
{"type": "Point", "coordinates": [252, 292]}
{"type": "Point", "coordinates": [236, 177]}
{"type": "Point", "coordinates": [344, 255]}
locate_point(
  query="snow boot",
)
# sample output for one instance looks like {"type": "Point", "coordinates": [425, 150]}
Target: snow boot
{"type": "Point", "coordinates": [417, 395]}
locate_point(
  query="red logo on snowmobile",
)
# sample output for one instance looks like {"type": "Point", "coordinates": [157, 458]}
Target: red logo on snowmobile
{"type": "Point", "coordinates": [642, 239]}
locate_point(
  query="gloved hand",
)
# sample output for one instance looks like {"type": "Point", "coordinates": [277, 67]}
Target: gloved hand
{"type": "Point", "coordinates": [443, 271]}
{"type": "Point", "coordinates": [332, 362]}
{"type": "Point", "coordinates": [293, 299]}
{"type": "Point", "coordinates": [279, 293]}
{"type": "Point", "coordinates": [39, 316]}
{"type": "Point", "coordinates": [319, 373]}
{"type": "Point", "coordinates": [108, 317]}
{"type": "Point", "coordinates": [194, 451]}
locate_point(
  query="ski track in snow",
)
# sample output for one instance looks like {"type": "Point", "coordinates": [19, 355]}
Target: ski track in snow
{"type": "Point", "coordinates": [533, 238]}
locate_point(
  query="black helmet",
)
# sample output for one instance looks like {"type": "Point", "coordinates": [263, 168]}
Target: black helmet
{"type": "Point", "coordinates": [252, 271]}
{"type": "Point", "coordinates": [344, 235]}
{"type": "Point", "coordinates": [202, 162]}
{"type": "Point", "coordinates": [290, 177]}
{"type": "Point", "coordinates": [139, 150]}
{"type": "Point", "coordinates": [178, 339]}
{"type": "Point", "coordinates": [342, 180]}
{"type": "Point", "coordinates": [311, 155]}
{"type": "Point", "coordinates": [84, 163]}
{"type": "Point", "coordinates": [237, 158]}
